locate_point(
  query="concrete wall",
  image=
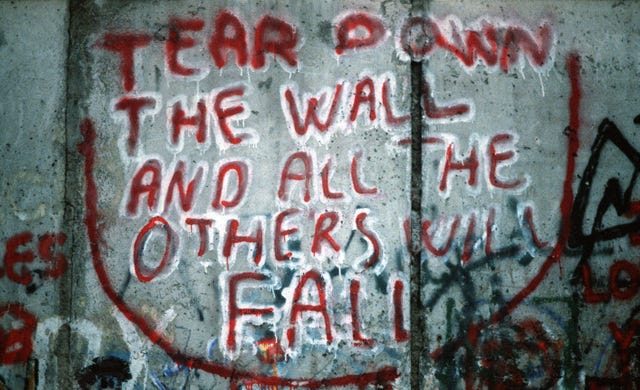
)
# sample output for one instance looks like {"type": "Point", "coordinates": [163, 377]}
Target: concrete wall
{"type": "Point", "coordinates": [319, 194]}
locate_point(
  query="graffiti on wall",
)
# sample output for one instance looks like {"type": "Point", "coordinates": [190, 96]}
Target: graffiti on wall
{"type": "Point", "coordinates": [30, 261]}
{"type": "Point", "coordinates": [250, 215]}
{"type": "Point", "coordinates": [285, 251]}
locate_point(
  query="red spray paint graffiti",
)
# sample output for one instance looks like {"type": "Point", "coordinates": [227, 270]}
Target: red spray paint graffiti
{"type": "Point", "coordinates": [566, 204]}
{"type": "Point", "coordinates": [87, 149]}
{"type": "Point", "coordinates": [16, 343]}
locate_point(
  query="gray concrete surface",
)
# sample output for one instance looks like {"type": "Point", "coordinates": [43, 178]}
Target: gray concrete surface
{"type": "Point", "coordinates": [219, 194]}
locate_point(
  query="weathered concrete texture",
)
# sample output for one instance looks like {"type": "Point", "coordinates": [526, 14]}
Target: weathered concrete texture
{"type": "Point", "coordinates": [521, 266]}
{"type": "Point", "coordinates": [33, 50]}
{"type": "Point", "coordinates": [219, 194]}
{"type": "Point", "coordinates": [318, 201]}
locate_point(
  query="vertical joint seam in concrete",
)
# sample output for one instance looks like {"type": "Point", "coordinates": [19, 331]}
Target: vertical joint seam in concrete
{"type": "Point", "coordinates": [417, 321]}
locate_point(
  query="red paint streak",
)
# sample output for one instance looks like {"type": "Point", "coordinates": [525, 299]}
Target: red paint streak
{"type": "Point", "coordinates": [133, 106]}
{"type": "Point", "coordinates": [407, 234]}
{"type": "Point", "coordinates": [91, 221]}
{"type": "Point", "coordinates": [279, 234]}
{"type": "Point", "coordinates": [358, 187]}
{"type": "Point", "coordinates": [277, 37]}
{"type": "Point", "coordinates": [242, 177]}
{"type": "Point", "coordinates": [473, 333]}
{"type": "Point", "coordinates": [177, 41]}
{"type": "Point", "coordinates": [467, 250]}
{"type": "Point", "coordinates": [143, 273]}
{"type": "Point", "coordinates": [287, 175]}
{"type": "Point", "coordinates": [425, 140]}
{"type": "Point", "coordinates": [179, 119]}
{"type": "Point", "coordinates": [234, 238]}
{"type": "Point", "coordinates": [326, 189]}
{"type": "Point", "coordinates": [358, 338]}
{"type": "Point", "coordinates": [573, 68]}
{"type": "Point", "coordinates": [297, 308]}
{"type": "Point", "coordinates": [427, 240]}
{"type": "Point", "coordinates": [16, 344]}
{"type": "Point", "coordinates": [13, 256]}
{"type": "Point", "coordinates": [400, 333]}
{"type": "Point", "coordinates": [323, 233]}
{"type": "Point", "coordinates": [223, 113]}
{"type": "Point", "coordinates": [186, 195]}
{"type": "Point", "coordinates": [139, 187]}
{"type": "Point", "coordinates": [528, 215]}
{"type": "Point", "coordinates": [371, 237]}
{"type": "Point", "coordinates": [469, 164]}
{"type": "Point", "coordinates": [496, 158]}
{"type": "Point", "coordinates": [125, 45]}
{"type": "Point", "coordinates": [311, 115]}
{"type": "Point", "coordinates": [202, 224]}
{"type": "Point", "coordinates": [235, 311]}
{"type": "Point", "coordinates": [349, 28]}
{"type": "Point", "coordinates": [221, 42]}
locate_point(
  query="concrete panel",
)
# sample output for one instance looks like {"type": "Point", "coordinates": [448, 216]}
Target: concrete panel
{"type": "Point", "coordinates": [528, 277]}
{"type": "Point", "coordinates": [301, 194]}
{"type": "Point", "coordinates": [33, 51]}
